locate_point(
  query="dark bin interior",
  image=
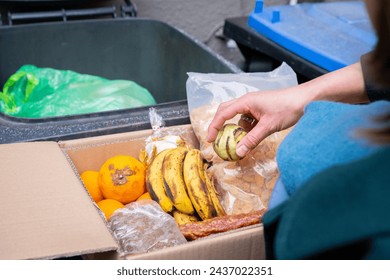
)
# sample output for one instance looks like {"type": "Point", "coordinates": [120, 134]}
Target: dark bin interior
{"type": "Point", "coordinates": [151, 53]}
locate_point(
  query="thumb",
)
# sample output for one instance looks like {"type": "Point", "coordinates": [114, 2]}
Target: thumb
{"type": "Point", "coordinates": [251, 140]}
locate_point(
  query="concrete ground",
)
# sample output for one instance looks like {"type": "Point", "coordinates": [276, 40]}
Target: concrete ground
{"type": "Point", "coordinates": [227, 48]}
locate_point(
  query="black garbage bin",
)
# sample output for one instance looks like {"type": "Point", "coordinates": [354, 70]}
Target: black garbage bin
{"type": "Point", "coordinates": [151, 53]}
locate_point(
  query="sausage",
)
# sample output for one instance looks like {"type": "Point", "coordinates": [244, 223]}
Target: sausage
{"type": "Point", "coordinates": [195, 230]}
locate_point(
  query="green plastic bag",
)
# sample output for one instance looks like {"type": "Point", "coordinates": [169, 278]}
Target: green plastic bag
{"type": "Point", "coordinates": [34, 92]}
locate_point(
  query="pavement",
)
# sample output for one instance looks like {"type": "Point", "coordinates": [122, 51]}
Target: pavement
{"type": "Point", "coordinates": [227, 48]}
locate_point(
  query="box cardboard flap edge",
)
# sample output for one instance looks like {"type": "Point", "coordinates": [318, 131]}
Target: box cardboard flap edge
{"type": "Point", "coordinates": [46, 211]}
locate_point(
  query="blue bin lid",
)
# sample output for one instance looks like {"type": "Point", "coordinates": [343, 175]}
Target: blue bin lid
{"type": "Point", "coordinates": [331, 35]}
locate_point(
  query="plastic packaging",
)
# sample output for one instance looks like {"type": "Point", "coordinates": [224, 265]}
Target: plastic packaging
{"type": "Point", "coordinates": [34, 92]}
{"type": "Point", "coordinates": [245, 185]}
{"type": "Point", "coordinates": [164, 137]}
{"type": "Point", "coordinates": [142, 227]}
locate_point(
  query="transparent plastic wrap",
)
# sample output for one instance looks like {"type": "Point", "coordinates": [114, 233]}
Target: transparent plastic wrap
{"type": "Point", "coordinates": [164, 137]}
{"type": "Point", "coordinates": [142, 227]}
{"type": "Point", "coordinates": [245, 185]}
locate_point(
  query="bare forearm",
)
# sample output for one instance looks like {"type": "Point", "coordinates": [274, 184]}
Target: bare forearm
{"type": "Point", "coordinates": [343, 85]}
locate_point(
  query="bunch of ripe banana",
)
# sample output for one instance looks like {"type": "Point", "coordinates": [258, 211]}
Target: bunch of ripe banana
{"type": "Point", "coordinates": [176, 178]}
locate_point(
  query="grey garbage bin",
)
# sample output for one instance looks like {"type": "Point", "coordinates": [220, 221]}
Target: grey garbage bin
{"type": "Point", "coordinates": [148, 52]}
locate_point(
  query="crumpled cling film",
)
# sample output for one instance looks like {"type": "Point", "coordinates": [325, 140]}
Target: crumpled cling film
{"type": "Point", "coordinates": [142, 227]}
{"type": "Point", "coordinates": [246, 185]}
{"type": "Point", "coordinates": [162, 138]}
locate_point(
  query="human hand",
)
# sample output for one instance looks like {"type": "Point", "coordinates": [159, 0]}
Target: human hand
{"type": "Point", "coordinates": [263, 113]}
{"type": "Point", "coordinates": [276, 110]}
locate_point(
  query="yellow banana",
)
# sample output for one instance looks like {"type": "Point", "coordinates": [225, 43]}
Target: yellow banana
{"type": "Point", "coordinates": [182, 218]}
{"type": "Point", "coordinates": [197, 189]}
{"type": "Point", "coordinates": [213, 194]}
{"type": "Point", "coordinates": [155, 182]}
{"type": "Point", "coordinates": [174, 182]}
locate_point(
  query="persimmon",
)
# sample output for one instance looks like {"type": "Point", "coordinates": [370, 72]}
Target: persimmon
{"type": "Point", "coordinates": [122, 178]}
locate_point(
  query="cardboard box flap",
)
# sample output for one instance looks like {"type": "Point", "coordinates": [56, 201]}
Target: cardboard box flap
{"type": "Point", "coordinates": [45, 210]}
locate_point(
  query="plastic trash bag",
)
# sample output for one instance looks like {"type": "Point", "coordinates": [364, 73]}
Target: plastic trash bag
{"type": "Point", "coordinates": [34, 92]}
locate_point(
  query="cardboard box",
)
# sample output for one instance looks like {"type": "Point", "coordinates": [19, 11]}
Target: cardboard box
{"type": "Point", "coordinates": [47, 213]}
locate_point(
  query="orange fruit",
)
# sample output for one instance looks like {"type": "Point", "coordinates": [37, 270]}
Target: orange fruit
{"type": "Point", "coordinates": [145, 196]}
{"type": "Point", "coordinates": [122, 178]}
{"type": "Point", "coordinates": [108, 206]}
{"type": "Point", "coordinates": [90, 180]}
